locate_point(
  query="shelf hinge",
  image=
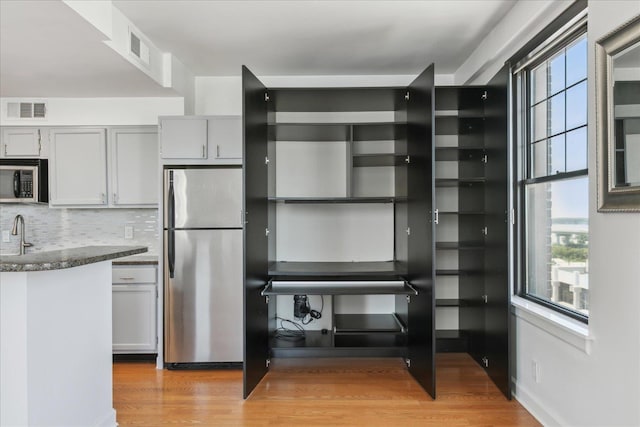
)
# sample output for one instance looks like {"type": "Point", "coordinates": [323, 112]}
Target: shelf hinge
{"type": "Point", "coordinates": [436, 217]}
{"type": "Point", "coordinates": [484, 96]}
{"type": "Point", "coordinates": [266, 299]}
{"type": "Point", "coordinates": [408, 231]}
{"type": "Point", "coordinates": [512, 213]}
{"type": "Point", "coordinates": [407, 159]}
{"type": "Point", "coordinates": [268, 362]}
{"type": "Point", "coordinates": [266, 97]}
{"type": "Point", "coordinates": [485, 231]}
{"type": "Point", "coordinates": [406, 96]}
{"type": "Point", "coordinates": [266, 232]}
{"type": "Point", "coordinates": [266, 160]}
{"type": "Point", "coordinates": [485, 362]}
{"type": "Point", "coordinates": [408, 299]}
{"type": "Point", "coordinates": [408, 362]}
{"type": "Point", "coordinates": [485, 298]}
{"type": "Point", "coordinates": [485, 158]}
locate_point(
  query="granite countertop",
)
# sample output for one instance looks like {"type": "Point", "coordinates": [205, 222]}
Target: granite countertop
{"type": "Point", "coordinates": [65, 258]}
{"type": "Point", "coordinates": [137, 260]}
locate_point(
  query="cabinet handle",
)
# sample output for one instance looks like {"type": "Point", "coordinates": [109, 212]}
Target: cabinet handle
{"type": "Point", "coordinates": [5, 150]}
{"type": "Point", "coordinates": [203, 152]}
{"type": "Point", "coordinates": [126, 278]}
{"type": "Point", "coordinates": [217, 150]}
{"type": "Point", "coordinates": [39, 142]}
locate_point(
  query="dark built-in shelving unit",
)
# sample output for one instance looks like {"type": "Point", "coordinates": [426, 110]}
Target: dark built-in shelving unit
{"type": "Point", "coordinates": [405, 148]}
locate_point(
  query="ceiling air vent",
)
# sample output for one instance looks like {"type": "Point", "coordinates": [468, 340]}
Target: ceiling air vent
{"type": "Point", "coordinates": [138, 48]}
{"type": "Point", "coordinates": [26, 110]}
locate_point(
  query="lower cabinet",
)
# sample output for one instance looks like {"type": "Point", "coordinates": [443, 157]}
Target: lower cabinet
{"type": "Point", "coordinates": [134, 309]}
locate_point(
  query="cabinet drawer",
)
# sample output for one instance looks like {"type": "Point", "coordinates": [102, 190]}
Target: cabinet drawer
{"type": "Point", "coordinates": [134, 275]}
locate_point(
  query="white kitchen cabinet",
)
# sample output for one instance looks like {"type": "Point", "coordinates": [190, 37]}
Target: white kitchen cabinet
{"type": "Point", "coordinates": [225, 134]}
{"type": "Point", "coordinates": [134, 167]}
{"type": "Point", "coordinates": [23, 142]}
{"type": "Point", "coordinates": [134, 309]}
{"type": "Point", "coordinates": [78, 167]}
{"type": "Point", "coordinates": [201, 139]}
{"type": "Point", "coordinates": [183, 137]}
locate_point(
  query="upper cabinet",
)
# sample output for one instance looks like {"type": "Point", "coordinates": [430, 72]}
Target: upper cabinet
{"type": "Point", "coordinates": [87, 169]}
{"type": "Point", "coordinates": [201, 139]}
{"type": "Point", "coordinates": [23, 142]}
{"type": "Point", "coordinates": [78, 167]}
{"type": "Point", "coordinates": [134, 166]}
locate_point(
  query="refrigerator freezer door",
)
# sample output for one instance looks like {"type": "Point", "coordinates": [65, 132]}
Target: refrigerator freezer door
{"type": "Point", "coordinates": [203, 198]}
{"type": "Point", "coordinates": [203, 302]}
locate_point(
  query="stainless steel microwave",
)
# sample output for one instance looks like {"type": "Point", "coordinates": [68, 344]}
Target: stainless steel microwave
{"type": "Point", "coordinates": [24, 181]}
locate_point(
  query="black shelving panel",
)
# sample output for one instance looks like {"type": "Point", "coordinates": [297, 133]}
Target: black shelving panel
{"type": "Point", "coordinates": [373, 160]}
{"type": "Point", "coordinates": [448, 302]}
{"type": "Point", "coordinates": [353, 270]}
{"type": "Point", "coordinates": [309, 132]}
{"type": "Point", "coordinates": [367, 323]}
{"type": "Point", "coordinates": [323, 200]}
{"type": "Point", "coordinates": [337, 287]}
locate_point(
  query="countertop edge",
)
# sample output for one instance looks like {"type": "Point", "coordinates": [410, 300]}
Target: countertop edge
{"type": "Point", "coordinates": [69, 258]}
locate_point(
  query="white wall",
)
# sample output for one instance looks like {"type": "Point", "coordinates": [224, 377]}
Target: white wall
{"type": "Point", "coordinates": [98, 111]}
{"type": "Point", "coordinates": [601, 386]}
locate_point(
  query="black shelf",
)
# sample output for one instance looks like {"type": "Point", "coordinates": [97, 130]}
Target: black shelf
{"type": "Point", "coordinates": [378, 131]}
{"type": "Point", "coordinates": [449, 272]}
{"type": "Point", "coordinates": [461, 213]}
{"type": "Point", "coordinates": [386, 269]}
{"type": "Point", "coordinates": [325, 200]}
{"type": "Point", "coordinates": [335, 99]}
{"type": "Point", "coordinates": [458, 182]}
{"type": "Point", "coordinates": [456, 154]}
{"type": "Point", "coordinates": [346, 287]}
{"type": "Point", "coordinates": [459, 245]}
{"type": "Point", "coordinates": [364, 160]}
{"type": "Point", "coordinates": [309, 132]}
{"type": "Point", "coordinates": [367, 323]}
{"type": "Point", "coordinates": [448, 302]}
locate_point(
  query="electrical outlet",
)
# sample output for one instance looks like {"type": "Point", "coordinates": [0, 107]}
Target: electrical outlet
{"type": "Point", "coordinates": [535, 371]}
{"type": "Point", "coordinates": [128, 232]}
{"type": "Point", "coordinates": [6, 236]}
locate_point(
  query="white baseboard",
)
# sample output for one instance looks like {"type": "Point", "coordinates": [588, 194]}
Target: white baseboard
{"type": "Point", "coordinates": [109, 420]}
{"type": "Point", "coordinates": [536, 409]}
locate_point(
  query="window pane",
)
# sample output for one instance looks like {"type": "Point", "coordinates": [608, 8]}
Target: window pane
{"type": "Point", "coordinates": [577, 105]}
{"type": "Point", "coordinates": [557, 154]}
{"type": "Point", "coordinates": [539, 83]}
{"type": "Point", "coordinates": [556, 73]}
{"type": "Point", "coordinates": [539, 121]}
{"type": "Point", "coordinates": [556, 114]}
{"type": "Point", "coordinates": [577, 149]}
{"type": "Point", "coordinates": [577, 61]}
{"type": "Point", "coordinates": [539, 159]}
{"type": "Point", "coordinates": [557, 242]}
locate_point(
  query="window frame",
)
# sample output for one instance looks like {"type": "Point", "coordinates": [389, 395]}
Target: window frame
{"type": "Point", "coordinates": [571, 31]}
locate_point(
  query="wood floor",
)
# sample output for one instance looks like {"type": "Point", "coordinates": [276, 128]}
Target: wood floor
{"type": "Point", "coordinates": [314, 392]}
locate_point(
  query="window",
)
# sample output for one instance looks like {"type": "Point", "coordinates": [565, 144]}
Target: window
{"type": "Point", "coordinates": [553, 188]}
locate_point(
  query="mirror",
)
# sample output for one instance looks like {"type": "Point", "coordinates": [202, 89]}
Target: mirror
{"type": "Point", "coordinates": [618, 119]}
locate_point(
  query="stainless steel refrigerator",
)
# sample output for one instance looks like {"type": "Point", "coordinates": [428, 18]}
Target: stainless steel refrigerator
{"type": "Point", "coordinates": [203, 265]}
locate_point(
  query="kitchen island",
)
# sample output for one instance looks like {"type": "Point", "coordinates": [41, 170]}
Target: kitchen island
{"type": "Point", "coordinates": [55, 337]}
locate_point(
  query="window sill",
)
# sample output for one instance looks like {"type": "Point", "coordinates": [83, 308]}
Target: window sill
{"type": "Point", "coordinates": [562, 327]}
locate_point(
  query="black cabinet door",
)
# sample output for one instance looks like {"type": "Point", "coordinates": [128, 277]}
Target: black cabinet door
{"type": "Point", "coordinates": [497, 222]}
{"type": "Point", "coordinates": [421, 246]}
{"type": "Point", "coordinates": [255, 177]}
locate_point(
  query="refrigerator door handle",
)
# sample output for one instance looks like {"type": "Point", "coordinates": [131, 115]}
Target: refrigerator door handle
{"type": "Point", "coordinates": [171, 205]}
{"type": "Point", "coordinates": [171, 252]}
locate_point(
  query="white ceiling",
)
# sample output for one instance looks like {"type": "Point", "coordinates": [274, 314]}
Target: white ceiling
{"type": "Point", "coordinates": [48, 50]}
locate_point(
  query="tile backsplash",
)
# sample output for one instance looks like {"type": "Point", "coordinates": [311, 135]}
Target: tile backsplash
{"type": "Point", "coordinates": [51, 229]}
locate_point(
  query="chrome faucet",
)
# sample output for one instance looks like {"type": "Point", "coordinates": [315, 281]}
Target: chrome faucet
{"type": "Point", "coordinates": [14, 231]}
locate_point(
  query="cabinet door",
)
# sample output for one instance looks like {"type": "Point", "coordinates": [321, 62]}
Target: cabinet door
{"type": "Point", "coordinates": [78, 167]}
{"type": "Point", "coordinates": [134, 167]}
{"type": "Point", "coordinates": [256, 254]}
{"type": "Point", "coordinates": [183, 138]}
{"type": "Point", "coordinates": [134, 318]}
{"type": "Point", "coordinates": [497, 252]}
{"type": "Point", "coordinates": [421, 238]}
{"type": "Point", "coordinates": [225, 136]}
{"type": "Point", "coordinates": [21, 142]}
